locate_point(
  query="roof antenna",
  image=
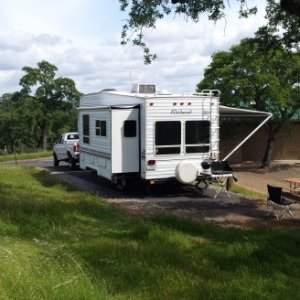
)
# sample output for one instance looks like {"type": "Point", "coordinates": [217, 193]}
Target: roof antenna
{"type": "Point", "coordinates": [133, 71]}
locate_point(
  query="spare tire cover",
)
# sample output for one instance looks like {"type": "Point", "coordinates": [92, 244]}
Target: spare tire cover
{"type": "Point", "coordinates": [186, 172]}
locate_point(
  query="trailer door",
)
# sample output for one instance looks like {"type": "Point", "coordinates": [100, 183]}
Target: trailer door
{"type": "Point", "coordinates": [125, 140]}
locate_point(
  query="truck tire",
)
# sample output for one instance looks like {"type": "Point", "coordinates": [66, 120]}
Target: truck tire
{"type": "Point", "coordinates": [72, 161]}
{"type": "Point", "coordinates": [55, 160]}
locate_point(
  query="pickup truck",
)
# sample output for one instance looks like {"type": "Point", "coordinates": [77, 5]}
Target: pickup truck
{"type": "Point", "coordinates": [67, 149]}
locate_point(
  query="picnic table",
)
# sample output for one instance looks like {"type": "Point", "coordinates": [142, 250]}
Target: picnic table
{"type": "Point", "coordinates": [294, 185]}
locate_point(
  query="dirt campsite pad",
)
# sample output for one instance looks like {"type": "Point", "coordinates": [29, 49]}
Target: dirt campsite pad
{"type": "Point", "coordinates": [236, 210]}
{"type": "Point", "coordinates": [188, 202]}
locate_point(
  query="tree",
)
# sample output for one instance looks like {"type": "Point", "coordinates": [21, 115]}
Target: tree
{"type": "Point", "coordinates": [251, 76]}
{"type": "Point", "coordinates": [51, 95]}
{"type": "Point", "coordinates": [15, 115]}
{"type": "Point", "coordinates": [285, 21]}
{"type": "Point", "coordinates": [144, 14]}
{"type": "Point", "coordinates": [291, 7]}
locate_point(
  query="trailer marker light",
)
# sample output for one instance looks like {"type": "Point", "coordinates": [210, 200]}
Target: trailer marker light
{"type": "Point", "coordinates": [174, 103]}
{"type": "Point", "coordinates": [151, 162]}
{"type": "Point", "coordinates": [151, 103]}
{"type": "Point", "coordinates": [181, 103]}
{"type": "Point", "coordinates": [189, 103]}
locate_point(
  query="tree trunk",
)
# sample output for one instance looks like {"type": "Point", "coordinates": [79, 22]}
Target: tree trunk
{"type": "Point", "coordinates": [266, 161]}
{"type": "Point", "coordinates": [15, 152]}
{"type": "Point", "coordinates": [272, 131]}
{"type": "Point", "coordinates": [44, 136]}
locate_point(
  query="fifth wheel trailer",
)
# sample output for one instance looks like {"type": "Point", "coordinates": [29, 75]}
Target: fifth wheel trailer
{"type": "Point", "coordinates": [149, 135]}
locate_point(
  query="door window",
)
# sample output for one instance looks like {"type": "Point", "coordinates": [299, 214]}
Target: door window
{"type": "Point", "coordinates": [130, 128]}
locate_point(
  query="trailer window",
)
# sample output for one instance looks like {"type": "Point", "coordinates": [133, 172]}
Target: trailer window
{"type": "Point", "coordinates": [86, 128]}
{"type": "Point", "coordinates": [167, 137]}
{"type": "Point", "coordinates": [100, 128]}
{"type": "Point", "coordinates": [197, 136]}
{"type": "Point", "coordinates": [130, 128]}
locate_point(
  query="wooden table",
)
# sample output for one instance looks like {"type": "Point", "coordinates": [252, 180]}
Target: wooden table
{"type": "Point", "coordinates": [294, 185]}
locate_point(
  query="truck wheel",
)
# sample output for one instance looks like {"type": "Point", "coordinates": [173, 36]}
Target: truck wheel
{"type": "Point", "coordinates": [55, 160]}
{"type": "Point", "coordinates": [72, 162]}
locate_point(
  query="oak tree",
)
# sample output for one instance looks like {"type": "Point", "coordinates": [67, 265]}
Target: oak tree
{"type": "Point", "coordinates": [283, 16]}
{"type": "Point", "coordinates": [51, 95]}
{"type": "Point", "coordinates": [254, 77]}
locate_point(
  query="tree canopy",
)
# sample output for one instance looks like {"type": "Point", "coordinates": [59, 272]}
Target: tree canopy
{"type": "Point", "coordinates": [43, 108]}
{"type": "Point", "coordinates": [50, 94]}
{"type": "Point", "coordinates": [254, 77]}
{"type": "Point", "coordinates": [283, 16]}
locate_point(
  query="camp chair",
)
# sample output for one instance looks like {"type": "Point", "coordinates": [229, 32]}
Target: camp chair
{"type": "Point", "coordinates": [277, 203]}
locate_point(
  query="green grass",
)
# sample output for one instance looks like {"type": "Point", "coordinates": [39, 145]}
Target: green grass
{"type": "Point", "coordinates": [248, 192]}
{"type": "Point", "coordinates": [24, 156]}
{"type": "Point", "coordinates": [57, 243]}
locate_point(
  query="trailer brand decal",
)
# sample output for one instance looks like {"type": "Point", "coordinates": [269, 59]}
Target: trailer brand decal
{"type": "Point", "coordinates": [180, 111]}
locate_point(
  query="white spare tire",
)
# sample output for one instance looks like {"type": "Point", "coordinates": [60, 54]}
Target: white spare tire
{"type": "Point", "coordinates": [186, 172]}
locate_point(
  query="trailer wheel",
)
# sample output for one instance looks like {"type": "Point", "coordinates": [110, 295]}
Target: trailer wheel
{"type": "Point", "coordinates": [55, 160]}
{"type": "Point", "coordinates": [121, 184]}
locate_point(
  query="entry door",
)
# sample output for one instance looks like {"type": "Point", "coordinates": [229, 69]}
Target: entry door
{"type": "Point", "coordinates": [125, 140]}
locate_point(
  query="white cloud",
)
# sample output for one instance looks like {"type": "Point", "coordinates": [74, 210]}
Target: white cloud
{"type": "Point", "coordinates": [82, 38]}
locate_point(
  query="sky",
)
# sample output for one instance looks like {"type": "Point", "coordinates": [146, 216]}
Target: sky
{"type": "Point", "coordinates": [82, 39]}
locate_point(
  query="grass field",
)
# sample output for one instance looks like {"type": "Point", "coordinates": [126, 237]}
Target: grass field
{"type": "Point", "coordinates": [23, 156]}
{"type": "Point", "coordinates": [59, 243]}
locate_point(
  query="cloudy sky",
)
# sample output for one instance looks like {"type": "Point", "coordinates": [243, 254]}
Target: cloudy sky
{"type": "Point", "coordinates": [82, 38]}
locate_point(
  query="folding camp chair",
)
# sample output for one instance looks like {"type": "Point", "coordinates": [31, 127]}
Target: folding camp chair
{"type": "Point", "coordinates": [276, 203]}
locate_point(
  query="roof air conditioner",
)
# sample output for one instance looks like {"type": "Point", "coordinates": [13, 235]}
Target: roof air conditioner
{"type": "Point", "coordinates": [143, 88]}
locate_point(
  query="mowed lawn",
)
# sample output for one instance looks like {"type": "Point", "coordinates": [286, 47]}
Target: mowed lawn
{"type": "Point", "coordinates": [57, 243]}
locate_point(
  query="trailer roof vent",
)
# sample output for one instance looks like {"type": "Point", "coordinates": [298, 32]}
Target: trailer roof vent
{"type": "Point", "coordinates": [143, 88]}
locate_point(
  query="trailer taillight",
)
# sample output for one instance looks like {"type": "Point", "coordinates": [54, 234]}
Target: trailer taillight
{"type": "Point", "coordinates": [151, 162]}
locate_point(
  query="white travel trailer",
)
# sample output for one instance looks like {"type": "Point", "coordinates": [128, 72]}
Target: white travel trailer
{"type": "Point", "coordinates": [149, 135]}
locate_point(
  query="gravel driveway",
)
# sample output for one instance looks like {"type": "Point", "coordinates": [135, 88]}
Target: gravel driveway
{"type": "Point", "coordinates": [188, 202]}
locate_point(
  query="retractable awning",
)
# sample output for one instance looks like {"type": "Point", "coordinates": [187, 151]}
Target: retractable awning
{"type": "Point", "coordinates": [226, 111]}
{"type": "Point", "coordinates": [232, 112]}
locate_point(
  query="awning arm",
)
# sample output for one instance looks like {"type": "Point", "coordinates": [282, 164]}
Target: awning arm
{"type": "Point", "coordinates": [248, 136]}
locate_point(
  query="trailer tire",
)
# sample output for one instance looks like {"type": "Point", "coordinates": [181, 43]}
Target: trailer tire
{"type": "Point", "coordinates": [186, 172]}
{"type": "Point", "coordinates": [72, 161]}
